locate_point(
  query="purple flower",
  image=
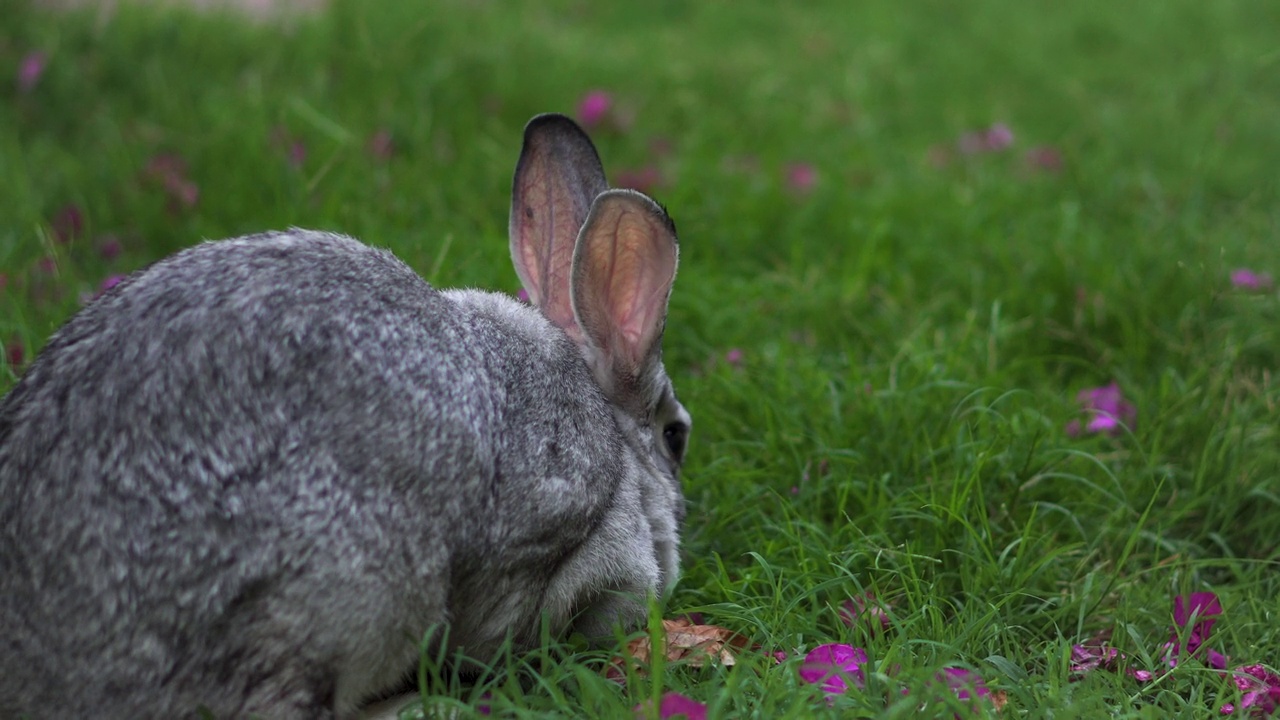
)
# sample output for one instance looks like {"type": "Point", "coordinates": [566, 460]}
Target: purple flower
{"type": "Point", "coordinates": [1204, 608]}
{"type": "Point", "coordinates": [1087, 658]}
{"type": "Point", "coordinates": [673, 705]}
{"type": "Point", "coordinates": [1108, 410]}
{"type": "Point", "coordinates": [993, 139]}
{"type": "Point", "coordinates": [834, 666]}
{"type": "Point", "coordinates": [67, 224]}
{"type": "Point", "coordinates": [381, 145]}
{"type": "Point", "coordinates": [1247, 279]}
{"type": "Point", "coordinates": [593, 107]}
{"type": "Point", "coordinates": [30, 70]}
{"type": "Point", "coordinates": [13, 353]}
{"type": "Point", "coordinates": [998, 137]}
{"type": "Point", "coordinates": [801, 177]}
{"type": "Point", "coordinates": [867, 608]}
{"type": "Point", "coordinates": [966, 684]}
{"type": "Point", "coordinates": [523, 296]}
{"type": "Point", "coordinates": [109, 247]}
{"type": "Point", "coordinates": [733, 357]}
{"type": "Point", "coordinates": [170, 172]}
{"type": "Point", "coordinates": [1044, 157]}
{"type": "Point", "coordinates": [109, 282]}
{"type": "Point", "coordinates": [1259, 687]}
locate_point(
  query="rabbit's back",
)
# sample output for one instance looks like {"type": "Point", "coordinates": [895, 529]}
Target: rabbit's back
{"type": "Point", "coordinates": [256, 441]}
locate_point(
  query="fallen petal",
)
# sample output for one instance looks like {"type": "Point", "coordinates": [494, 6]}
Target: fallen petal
{"type": "Point", "coordinates": [834, 666]}
{"type": "Point", "coordinates": [593, 107]}
{"type": "Point", "coordinates": [1247, 279]}
{"type": "Point", "coordinates": [30, 70]}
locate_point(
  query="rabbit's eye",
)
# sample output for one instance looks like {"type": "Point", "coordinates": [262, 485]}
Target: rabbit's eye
{"type": "Point", "coordinates": [676, 435]}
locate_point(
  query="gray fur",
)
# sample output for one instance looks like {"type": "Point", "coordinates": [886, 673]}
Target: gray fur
{"type": "Point", "coordinates": [252, 476]}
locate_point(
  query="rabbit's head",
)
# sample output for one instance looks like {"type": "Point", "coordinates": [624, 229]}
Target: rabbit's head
{"type": "Point", "coordinates": [599, 264]}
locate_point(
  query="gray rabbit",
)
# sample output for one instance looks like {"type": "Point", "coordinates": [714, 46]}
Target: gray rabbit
{"type": "Point", "coordinates": [250, 478]}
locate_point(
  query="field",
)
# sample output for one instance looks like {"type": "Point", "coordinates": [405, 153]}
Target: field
{"type": "Point", "coordinates": [974, 315]}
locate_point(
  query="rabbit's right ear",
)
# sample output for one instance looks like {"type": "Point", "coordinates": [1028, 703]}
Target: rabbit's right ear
{"type": "Point", "coordinates": [557, 177]}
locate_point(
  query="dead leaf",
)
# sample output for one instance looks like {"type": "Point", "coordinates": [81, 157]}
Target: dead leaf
{"type": "Point", "coordinates": [689, 643]}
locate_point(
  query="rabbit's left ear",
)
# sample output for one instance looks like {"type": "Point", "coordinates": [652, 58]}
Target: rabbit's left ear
{"type": "Point", "coordinates": [558, 176]}
{"type": "Point", "coordinates": [623, 268]}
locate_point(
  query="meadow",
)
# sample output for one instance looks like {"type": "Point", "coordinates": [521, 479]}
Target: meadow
{"type": "Point", "coordinates": [975, 315]}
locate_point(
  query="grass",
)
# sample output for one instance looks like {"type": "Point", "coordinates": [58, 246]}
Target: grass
{"type": "Point", "coordinates": [913, 329]}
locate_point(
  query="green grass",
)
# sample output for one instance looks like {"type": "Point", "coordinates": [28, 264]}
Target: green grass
{"type": "Point", "coordinates": [913, 336]}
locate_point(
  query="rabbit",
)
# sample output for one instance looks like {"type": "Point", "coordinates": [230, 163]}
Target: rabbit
{"type": "Point", "coordinates": [250, 479]}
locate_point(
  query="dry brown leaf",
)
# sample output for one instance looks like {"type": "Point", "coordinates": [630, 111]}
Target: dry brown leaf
{"type": "Point", "coordinates": [693, 644]}
{"type": "Point", "coordinates": [999, 699]}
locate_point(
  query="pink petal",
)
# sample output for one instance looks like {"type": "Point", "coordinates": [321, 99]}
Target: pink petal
{"type": "Point", "coordinates": [109, 247]}
{"type": "Point", "coordinates": [801, 177]}
{"type": "Point", "coordinates": [1247, 279]}
{"type": "Point", "coordinates": [965, 683]}
{"type": "Point", "coordinates": [834, 666]}
{"type": "Point", "coordinates": [997, 137]}
{"type": "Point", "coordinates": [30, 70]}
{"type": "Point", "coordinates": [13, 353]}
{"type": "Point", "coordinates": [1044, 157]}
{"type": "Point", "coordinates": [67, 224]}
{"type": "Point", "coordinates": [593, 107]}
{"type": "Point", "coordinates": [864, 608]}
{"type": "Point", "coordinates": [381, 146]}
{"type": "Point", "coordinates": [1204, 606]}
{"type": "Point", "coordinates": [674, 705]}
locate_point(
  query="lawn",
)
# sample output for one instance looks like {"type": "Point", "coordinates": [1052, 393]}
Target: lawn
{"type": "Point", "coordinates": [916, 241]}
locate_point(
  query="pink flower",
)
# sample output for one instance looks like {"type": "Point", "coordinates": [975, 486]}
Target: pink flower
{"type": "Point", "coordinates": [593, 107]}
{"type": "Point", "coordinates": [1107, 409]}
{"type": "Point", "coordinates": [998, 137]}
{"type": "Point", "coordinates": [1247, 279]}
{"type": "Point", "coordinates": [673, 705]}
{"type": "Point", "coordinates": [170, 172]}
{"type": "Point", "coordinates": [381, 145]}
{"type": "Point", "coordinates": [109, 282]}
{"type": "Point", "coordinates": [109, 247]}
{"type": "Point", "coordinates": [67, 224]}
{"type": "Point", "coordinates": [1204, 608]}
{"type": "Point", "coordinates": [523, 296]}
{"type": "Point", "coordinates": [13, 353]}
{"type": "Point", "coordinates": [1044, 157]}
{"type": "Point", "coordinates": [834, 666]}
{"type": "Point", "coordinates": [733, 357]}
{"type": "Point", "coordinates": [993, 139]}
{"type": "Point", "coordinates": [1087, 658]}
{"type": "Point", "coordinates": [966, 684]}
{"type": "Point", "coordinates": [801, 177]}
{"type": "Point", "coordinates": [30, 70]}
{"type": "Point", "coordinates": [867, 608]}
{"type": "Point", "coordinates": [1260, 690]}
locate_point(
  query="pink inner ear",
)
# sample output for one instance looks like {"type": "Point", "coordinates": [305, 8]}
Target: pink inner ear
{"type": "Point", "coordinates": [546, 228]}
{"type": "Point", "coordinates": [623, 277]}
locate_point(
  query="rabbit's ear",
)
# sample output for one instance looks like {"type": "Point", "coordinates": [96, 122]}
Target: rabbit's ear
{"type": "Point", "coordinates": [557, 177]}
{"type": "Point", "coordinates": [623, 268]}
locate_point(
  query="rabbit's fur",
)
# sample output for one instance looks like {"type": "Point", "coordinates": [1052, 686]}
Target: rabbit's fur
{"type": "Point", "coordinates": [251, 478]}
